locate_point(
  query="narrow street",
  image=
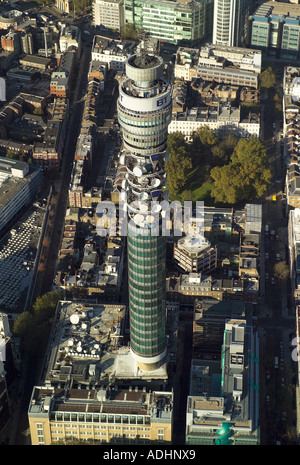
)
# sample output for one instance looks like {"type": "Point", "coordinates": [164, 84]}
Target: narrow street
{"type": "Point", "coordinates": [276, 320]}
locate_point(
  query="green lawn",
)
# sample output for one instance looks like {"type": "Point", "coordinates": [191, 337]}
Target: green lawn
{"type": "Point", "coordinates": [203, 193]}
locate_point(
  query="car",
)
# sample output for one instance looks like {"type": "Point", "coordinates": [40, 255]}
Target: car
{"type": "Point", "coordinates": [273, 280]}
{"type": "Point", "coordinates": [277, 257]}
{"type": "Point", "coordinates": [282, 382]}
{"type": "Point", "coordinates": [266, 255]}
{"type": "Point", "coordinates": [267, 276]}
{"type": "Point", "coordinates": [268, 374]}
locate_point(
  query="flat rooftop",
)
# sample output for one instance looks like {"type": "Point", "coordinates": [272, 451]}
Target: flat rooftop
{"type": "Point", "coordinates": [88, 346]}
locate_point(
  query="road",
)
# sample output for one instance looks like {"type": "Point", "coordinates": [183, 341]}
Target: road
{"type": "Point", "coordinates": [276, 321]}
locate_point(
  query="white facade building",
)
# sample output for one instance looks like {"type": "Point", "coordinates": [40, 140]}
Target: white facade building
{"type": "Point", "coordinates": [230, 22]}
{"type": "Point", "coordinates": [223, 121]}
{"type": "Point", "coordinates": [108, 13]}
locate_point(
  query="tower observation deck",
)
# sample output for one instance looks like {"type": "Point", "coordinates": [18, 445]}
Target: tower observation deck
{"type": "Point", "coordinates": [144, 112]}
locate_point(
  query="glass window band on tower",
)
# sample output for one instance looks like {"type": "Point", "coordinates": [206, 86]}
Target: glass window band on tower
{"type": "Point", "coordinates": [147, 277]}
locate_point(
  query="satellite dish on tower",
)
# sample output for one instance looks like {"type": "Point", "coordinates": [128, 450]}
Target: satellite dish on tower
{"type": "Point", "coordinates": [143, 196]}
{"type": "Point", "coordinates": [138, 219]}
{"type": "Point", "coordinates": [155, 182]}
{"type": "Point", "coordinates": [137, 171]}
{"type": "Point", "coordinates": [74, 319]}
{"type": "Point", "coordinates": [143, 207]}
{"type": "Point", "coordinates": [156, 208]}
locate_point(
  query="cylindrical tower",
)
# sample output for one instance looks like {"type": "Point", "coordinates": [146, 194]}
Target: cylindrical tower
{"type": "Point", "coordinates": [144, 111]}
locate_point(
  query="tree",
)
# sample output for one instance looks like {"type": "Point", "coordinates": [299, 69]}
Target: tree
{"type": "Point", "coordinates": [281, 271]}
{"type": "Point", "coordinates": [44, 307]}
{"type": "Point", "coordinates": [246, 177]}
{"type": "Point", "coordinates": [129, 32]}
{"type": "Point", "coordinates": [179, 164]}
{"type": "Point", "coordinates": [23, 324]}
{"type": "Point", "coordinates": [267, 78]}
{"type": "Point", "coordinates": [177, 169]}
{"type": "Point", "coordinates": [226, 184]}
{"type": "Point", "coordinates": [206, 136]}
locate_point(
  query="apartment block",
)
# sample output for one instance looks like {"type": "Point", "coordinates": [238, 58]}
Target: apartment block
{"type": "Point", "coordinates": [294, 251]}
{"type": "Point", "coordinates": [291, 131]}
{"type": "Point", "coordinates": [223, 119]}
{"type": "Point", "coordinates": [48, 152]}
{"type": "Point", "coordinates": [188, 287]}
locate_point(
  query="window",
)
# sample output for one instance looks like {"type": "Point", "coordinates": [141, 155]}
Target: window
{"type": "Point", "coordinates": [160, 434]}
{"type": "Point", "coordinates": [40, 433]}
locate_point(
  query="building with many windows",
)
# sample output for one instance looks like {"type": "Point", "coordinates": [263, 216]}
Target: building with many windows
{"type": "Point", "coordinates": [228, 396]}
{"type": "Point", "coordinates": [227, 65]}
{"type": "Point", "coordinates": [116, 416]}
{"type": "Point", "coordinates": [171, 21]}
{"type": "Point", "coordinates": [108, 13]}
{"type": "Point", "coordinates": [275, 29]}
{"type": "Point", "coordinates": [230, 22]}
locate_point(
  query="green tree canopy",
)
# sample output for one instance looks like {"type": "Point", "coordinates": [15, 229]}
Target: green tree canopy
{"type": "Point", "coordinates": [44, 307]}
{"type": "Point", "coordinates": [179, 164]}
{"type": "Point", "coordinates": [281, 270]}
{"type": "Point", "coordinates": [246, 177]}
{"type": "Point", "coordinates": [129, 32]}
{"type": "Point", "coordinates": [267, 78]}
{"type": "Point", "coordinates": [23, 324]}
{"type": "Point", "coordinates": [32, 327]}
{"type": "Point", "coordinates": [206, 136]}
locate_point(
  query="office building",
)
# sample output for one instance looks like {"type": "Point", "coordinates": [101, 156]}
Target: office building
{"type": "Point", "coordinates": [275, 29]}
{"type": "Point", "coordinates": [194, 254]}
{"type": "Point", "coordinates": [226, 399]}
{"type": "Point", "coordinates": [108, 13]}
{"type": "Point", "coordinates": [171, 21]}
{"type": "Point", "coordinates": [233, 66]}
{"type": "Point", "coordinates": [119, 416]}
{"type": "Point", "coordinates": [230, 22]}
{"type": "Point", "coordinates": [144, 112]}
{"type": "Point", "coordinates": [19, 184]}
